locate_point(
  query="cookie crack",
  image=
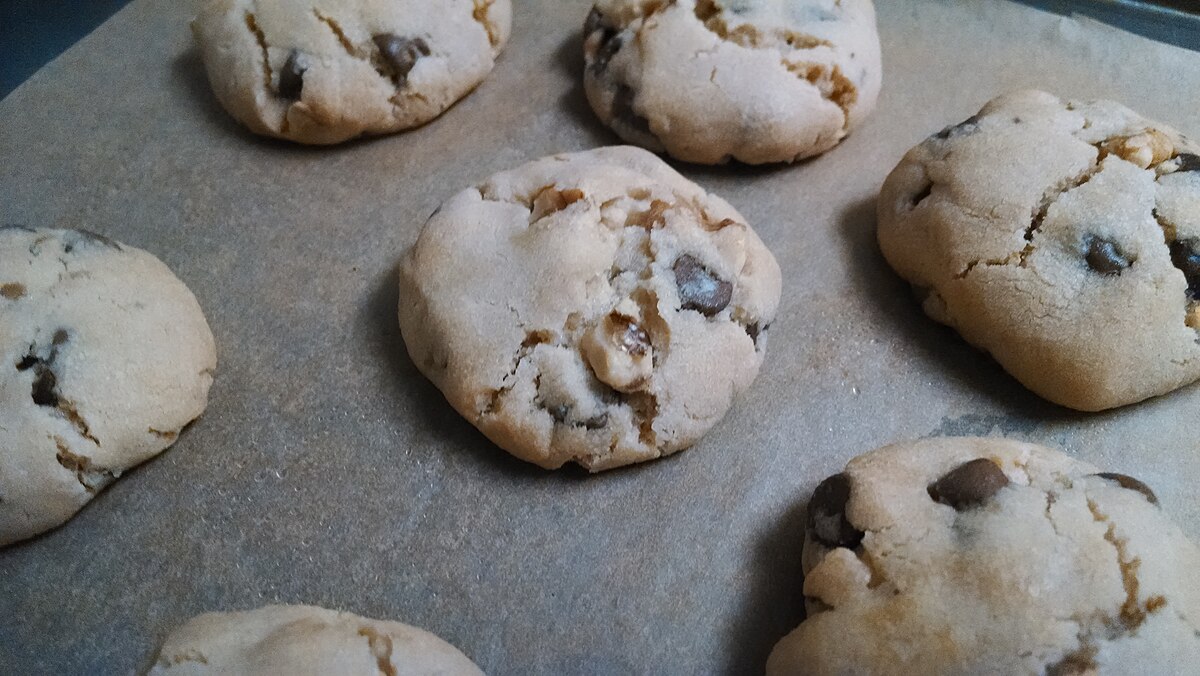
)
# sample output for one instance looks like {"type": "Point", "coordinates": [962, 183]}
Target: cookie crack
{"type": "Point", "coordinates": [1051, 197]}
{"type": "Point", "coordinates": [508, 382]}
{"type": "Point", "coordinates": [1132, 614]}
{"type": "Point", "coordinates": [480, 15]}
{"type": "Point", "coordinates": [381, 649]}
{"type": "Point", "coordinates": [45, 388]}
{"type": "Point", "coordinates": [338, 33]}
{"type": "Point", "coordinates": [91, 477]}
{"type": "Point", "coordinates": [710, 14]}
{"type": "Point", "coordinates": [261, 39]}
{"type": "Point", "coordinates": [179, 658]}
{"type": "Point", "coordinates": [833, 85]}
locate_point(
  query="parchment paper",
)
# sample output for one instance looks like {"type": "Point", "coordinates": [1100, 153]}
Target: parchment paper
{"type": "Point", "coordinates": [327, 471]}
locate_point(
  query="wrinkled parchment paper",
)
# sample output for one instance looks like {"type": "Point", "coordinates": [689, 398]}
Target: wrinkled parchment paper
{"type": "Point", "coordinates": [327, 471]}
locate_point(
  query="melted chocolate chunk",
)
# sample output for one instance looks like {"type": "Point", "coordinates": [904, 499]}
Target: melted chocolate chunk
{"type": "Point", "coordinates": [827, 522]}
{"type": "Point", "coordinates": [291, 78]}
{"type": "Point", "coordinates": [1129, 483]}
{"type": "Point", "coordinates": [1187, 162]}
{"type": "Point", "coordinates": [1185, 255]}
{"type": "Point", "coordinates": [1104, 257]}
{"type": "Point", "coordinates": [699, 289]}
{"type": "Point", "coordinates": [44, 384]}
{"type": "Point", "coordinates": [608, 49]}
{"type": "Point", "coordinates": [966, 126]}
{"type": "Point", "coordinates": [969, 485]}
{"type": "Point", "coordinates": [89, 237]}
{"type": "Point", "coordinates": [634, 339]}
{"type": "Point", "coordinates": [595, 21]}
{"type": "Point", "coordinates": [401, 54]}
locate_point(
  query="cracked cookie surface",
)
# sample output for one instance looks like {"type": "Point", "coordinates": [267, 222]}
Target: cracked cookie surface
{"type": "Point", "coordinates": [104, 357]}
{"type": "Point", "coordinates": [990, 556]}
{"type": "Point", "coordinates": [304, 640]}
{"type": "Point", "coordinates": [323, 72]}
{"type": "Point", "coordinates": [753, 80]}
{"type": "Point", "coordinates": [595, 308]}
{"type": "Point", "coordinates": [1061, 237]}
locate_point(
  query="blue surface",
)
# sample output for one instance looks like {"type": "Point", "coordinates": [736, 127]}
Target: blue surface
{"type": "Point", "coordinates": [32, 32]}
{"type": "Point", "coordinates": [1173, 21]}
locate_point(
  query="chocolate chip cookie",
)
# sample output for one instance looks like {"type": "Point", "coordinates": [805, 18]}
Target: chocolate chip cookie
{"type": "Point", "coordinates": [302, 641]}
{"type": "Point", "coordinates": [988, 556]}
{"type": "Point", "coordinates": [104, 357]}
{"type": "Point", "coordinates": [1063, 237]}
{"type": "Point", "coordinates": [322, 73]}
{"type": "Point", "coordinates": [753, 80]}
{"type": "Point", "coordinates": [595, 308]}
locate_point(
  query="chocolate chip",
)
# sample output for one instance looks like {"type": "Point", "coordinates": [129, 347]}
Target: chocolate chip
{"type": "Point", "coordinates": [44, 384]}
{"type": "Point", "coordinates": [291, 78]}
{"type": "Point", "coordinates": [959, 129]}
{"type": "Point", "coordinates": [60, 336]}
{"type": "Point", "coordinates": [95, 238]}
{"type": "Point", "coordinates": [1104, 257]}
{"type": "Point", "coordinates": [608, 49]}
{"type": "Point", "coordinates": [27, 362]}
{"type": "Point", "coordinates": [12, 290]}
{"type": "Point", "coordinates": [562, 414]}
{"type": "Point", "coordinates": [1129, 483]}
{"type": "Point", "coordinates": [595, 21]}
{"type": "Point", "coordinates": [700, 289]}
{"type": "Point", "coordinates": [1187, 162]}
{"type": "Point", "coordinates": [401, 54]}
{"type": "Point", "coordinates": [634, 339]}
{"type": "Point", "coordinates": [754, 331]}
{"type": "Point", "coordinates": [827, 522]}
{"type": "Point", "coordinates": [623, 111]}
{"type": "Point", "coordinates": [1185, 255]}
{"type": "Point", "coordinates": [969, 485]}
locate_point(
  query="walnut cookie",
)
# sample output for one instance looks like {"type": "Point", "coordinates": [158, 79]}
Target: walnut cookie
{"type": "Point", "coordinates": [753, 80]}
{"type": "Point", "coordinates": [595, 308]}
{"type": "Point", "coordinates": [104, 357]}
{"type": "Point", "coordinates": [305, 641]}
{"type": "Point", "coordinates": [990, 556]}
{"type": "Point", "coordinates": [1062, 237]}
{"type": "Point", "coordinates": [323, 72]}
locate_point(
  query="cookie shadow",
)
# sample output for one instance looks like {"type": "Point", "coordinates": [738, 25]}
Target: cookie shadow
{"type": "Point", "coordinates": [569, 59]}
{"type": "Point", "coordinates": [189, 76]}
{"type": "Point", "coordinates": [898, 310]}
{"type": "Point", "coordinates": [412, 391]}
{"type": "Point", "coordinates": [775, 604]}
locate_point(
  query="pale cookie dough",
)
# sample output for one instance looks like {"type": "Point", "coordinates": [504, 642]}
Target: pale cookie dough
{"type": "Point", "coordinates": [754, 80]}
{"type": "Point", "coordinates": [324, 71]}
{"type": "Point", "coordinates": [595, 308]}
{"type": "Point", "coordinates": [1062, 237]}
{"type": "Point", "coordinates": [104, 357]}
{"type": "Point", "coordinates": [988, 556]}
{"type": "Point", "coordinates": [305, 641]}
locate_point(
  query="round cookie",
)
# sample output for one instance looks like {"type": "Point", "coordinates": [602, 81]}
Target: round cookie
{"type": "Point", "coordinates": [1062, 237]}
{"type": "Point", "coordinates": [322, 74]}
{"type": "Point", "coordinates": [104, 357]}
{"type": "Point", "coordinates": [304, 640]}
{"type": "Point", "coordinates": [988, 556]}
{"type": "Point", "coordinates": [754, 80]}
{"type": "Point", "coordinates": [595, 308]}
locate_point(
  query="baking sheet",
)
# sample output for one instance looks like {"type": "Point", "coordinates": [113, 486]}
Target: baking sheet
{"type": "Point", "coordinates": [327, 471]}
